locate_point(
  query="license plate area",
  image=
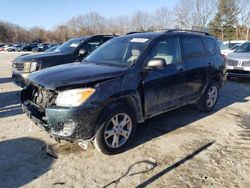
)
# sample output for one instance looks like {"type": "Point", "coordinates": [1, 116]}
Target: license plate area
{"type": "Point", "coordinates": [238, 68]}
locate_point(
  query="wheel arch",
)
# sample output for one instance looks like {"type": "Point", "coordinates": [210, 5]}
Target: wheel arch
{"type": "Point", "coordinates": [218, 77]}
{"type": "Point", "coordinates": [130, 98]}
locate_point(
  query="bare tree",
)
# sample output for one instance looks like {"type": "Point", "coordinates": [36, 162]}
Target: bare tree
{"type": "Point", "coordinates": [94, 23]}
{"type": "Point", "coordinates": [162, 18]}
{"type": "Point", "coordinates": [118, 25]}
{"type": "Point", "coordinates": [183, 14]}
{"type": "Point", "coordinates": [141, 21]}
{"type": "Point", "coordinates": [88, 24]}
{"type": "Point", "coordinates": [203, 11]}
{"type": "Point", "coordinates": [61, 33]}
{"type": "Point", "coordinates": [38, 34]}
{"type": "Point", "coordinates": [244, 18]}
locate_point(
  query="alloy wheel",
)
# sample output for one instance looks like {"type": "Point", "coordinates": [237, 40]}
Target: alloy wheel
{"type": "Point", "coordinates": [212, 96]}
{"type": "Point", "coordinates": [118, 130]}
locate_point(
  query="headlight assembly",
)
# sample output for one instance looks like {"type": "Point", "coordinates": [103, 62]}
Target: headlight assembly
{"type": "Point", "coordinates": [33, 66]}
{"type": "Point", "coordinates": [29, 66]}
{"type": "Point", "coordinates": [73, 97]}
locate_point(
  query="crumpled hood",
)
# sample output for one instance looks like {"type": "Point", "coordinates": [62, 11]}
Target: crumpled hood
{"type": "Point", "coordinates": [37, 57]}
{"type": "Point", "coordinates": [239, 56]}
{"type": "Point", "coordinates": [74, 74]}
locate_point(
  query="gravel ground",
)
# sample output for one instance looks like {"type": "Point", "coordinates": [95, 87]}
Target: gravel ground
{"type": "Point", "coordinates": [182, 148]}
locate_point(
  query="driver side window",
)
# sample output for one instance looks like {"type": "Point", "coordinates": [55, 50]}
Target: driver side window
{"type": "Point", "coordinates": [167, 49]}
{"type": "Point", "coordinates": [92, 45]}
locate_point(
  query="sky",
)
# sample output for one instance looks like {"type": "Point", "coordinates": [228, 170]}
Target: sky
{"type": "Point", "coordinates": [50, 13]}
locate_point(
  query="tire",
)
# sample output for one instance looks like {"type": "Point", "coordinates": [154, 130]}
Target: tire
{"type": "Point", "coordinates": [213, 91]}
{"type": "Point", "coordinates": [111, 139]}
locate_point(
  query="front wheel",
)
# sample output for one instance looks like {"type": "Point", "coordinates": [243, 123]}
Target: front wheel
{"type": "Point", "coordinates": [116, 130]}
{"type": "Point", "coordinates": [210, 97]}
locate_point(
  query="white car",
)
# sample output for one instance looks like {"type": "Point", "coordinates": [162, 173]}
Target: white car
{"type": "Point", "coordinates": [228, 47]}
{"type": "Point", "coordinates": [238, 62]}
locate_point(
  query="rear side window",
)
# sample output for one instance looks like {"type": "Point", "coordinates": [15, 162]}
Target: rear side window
{"type": "Point", "coordinates": [92, 45]}
{"type": "Point", "coordinates": [105, 39]}
{"type": "Point", "coordinates": [210, 46]}
{"type": "Point", "coordinates": [192, 47]}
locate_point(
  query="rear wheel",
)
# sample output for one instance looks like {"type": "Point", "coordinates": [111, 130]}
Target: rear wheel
{"type": "Point", "coordinates": [210, 97]}
{"type": "Point", "coordinates": [117, 129]}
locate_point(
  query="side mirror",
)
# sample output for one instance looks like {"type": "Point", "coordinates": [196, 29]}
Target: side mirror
{"type": "Point", "coordinates": [157, 63]}
{"type": "Point", "coordinates": [82, 52]}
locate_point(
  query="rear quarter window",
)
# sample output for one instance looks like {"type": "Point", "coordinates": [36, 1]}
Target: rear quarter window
{"type": "Point", "coordinates": [105, 39]}
{"type": "Point", "coordinates": [192, 47]}
{"type": "Point", "coordinates": [210, 46]}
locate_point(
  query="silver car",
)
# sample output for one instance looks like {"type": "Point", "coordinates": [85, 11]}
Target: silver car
{"type": "Point", "coordinates": [238, 62]}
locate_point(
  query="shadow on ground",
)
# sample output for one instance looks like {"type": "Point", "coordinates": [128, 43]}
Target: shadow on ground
{"type": "Point", "coordinates": [10, 104]}
{"type": "Point", "coordinates": [175, 165]}
{"type": "Point", "coordinates": [236, 91]}
{"type": "Point", "coordinates": [5, 80]}
{"type": "Point", "coordinates": [21, 161]}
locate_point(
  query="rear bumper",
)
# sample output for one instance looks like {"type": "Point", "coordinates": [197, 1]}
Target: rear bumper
{"type": "Point", "coordinates": [20, 78]}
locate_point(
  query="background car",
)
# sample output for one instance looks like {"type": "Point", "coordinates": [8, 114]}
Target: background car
{"type": "Point", "coordinates": [238, 62]}
{"type": "Point", "coordinates": [52, 48]}
{"type": "Point", "coordinates": [13, 48]}
{"type": "Point", "coordinates": [1, 47]}
{"type": "Point", "coordinates": [28, 47]}
{"type": "Point", "coordinates": [41, 47]}
{"type": "Point", "coordinates": [74, 50]}
{"type": "Point", "coordinates": [229, 46]}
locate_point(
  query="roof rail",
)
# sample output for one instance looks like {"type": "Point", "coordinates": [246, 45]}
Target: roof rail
{"type": "Point", "coordinates": [98, 35]}
{"type": "Point", "coordinates": [133, 32]}
{"type": "Point", "coordinates": [186, 30]}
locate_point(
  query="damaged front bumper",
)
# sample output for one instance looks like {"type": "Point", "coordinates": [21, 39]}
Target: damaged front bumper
{"type": "Point", "coordinates": [65, 123]}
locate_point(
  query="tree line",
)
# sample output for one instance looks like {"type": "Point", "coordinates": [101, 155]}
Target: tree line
{"type": "Point", "coordinates": [226, 19]}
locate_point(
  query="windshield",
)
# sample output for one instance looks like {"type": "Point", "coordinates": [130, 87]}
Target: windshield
{"type": "Point", "coordinates": [244, 48]}
{"type": "Point", "coordinates": [235, 47]}
{"type": "Point", "coordinates": [119, 51]}
{"type": "Point", "coordinates": [231, 45]}
{"type": "Point", "coordinates": [222, 46]}
{"type": "Point", "coordinates": [69, 46]}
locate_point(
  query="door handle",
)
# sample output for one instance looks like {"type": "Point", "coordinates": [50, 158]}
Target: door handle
{"type": "Point", "coordinates": [180, 68]}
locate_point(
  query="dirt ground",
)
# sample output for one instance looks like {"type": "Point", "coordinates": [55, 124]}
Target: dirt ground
{"type": "Point", "coordinates": [182, 148]}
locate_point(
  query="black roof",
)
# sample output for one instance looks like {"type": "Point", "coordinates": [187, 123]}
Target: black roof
{"type": "Point", "coordinates": [178, 32]}
{"type": "Point", "coordinates": [87, 37]}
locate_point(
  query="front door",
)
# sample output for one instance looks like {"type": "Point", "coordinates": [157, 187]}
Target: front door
{"type": "Point", "coordinates": [164, 88]}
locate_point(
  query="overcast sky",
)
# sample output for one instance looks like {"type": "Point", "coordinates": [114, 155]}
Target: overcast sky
{"type": "Point", "coordinates": [49, 13]}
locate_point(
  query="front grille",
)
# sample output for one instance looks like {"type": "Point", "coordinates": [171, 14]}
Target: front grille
{"type": "Point", "coordinates": [245, 64]}
{"type": "Point", "coordinates": [18, 66]}
{"type": "Point", "coordinates": [231, 62]}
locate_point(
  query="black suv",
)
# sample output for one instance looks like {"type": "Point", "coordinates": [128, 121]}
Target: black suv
{"type": "Point", "coordinates": [127, 80]}
{"type": "Point", "coordinates": [73, 50]}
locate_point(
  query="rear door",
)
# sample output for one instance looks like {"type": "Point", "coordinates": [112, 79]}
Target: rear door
{"type": "Point", "coordinates": [163, 88]}
{"type": "Point", "coordinates": [212, 52]}
{"type": "Point", "coordinates": [197, 64]}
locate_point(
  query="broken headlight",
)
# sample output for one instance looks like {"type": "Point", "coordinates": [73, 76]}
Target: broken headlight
{"type": "Point", "coordinates": [73, 97]}
{"type": "Point", "coordinates": [29, 66]}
